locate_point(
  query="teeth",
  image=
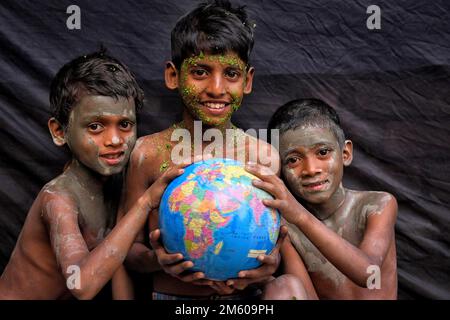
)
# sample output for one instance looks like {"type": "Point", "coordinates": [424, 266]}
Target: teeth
{"type": "Point", "coordinates": [214, 105]}
{"type": "Point", "coordinates": [112, 156]}
{"type": "Point", "coordinates": [315, 184]}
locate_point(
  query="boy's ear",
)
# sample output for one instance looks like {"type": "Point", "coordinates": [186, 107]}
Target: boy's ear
{"type": "Point", "coordinates": [249, 80]}
{"type": "Point", "coordinates": [57, 132]}
{"type": "Point", "coordinates": [347, 152]}
{"type": "Point", "coordinates": [171, 76]}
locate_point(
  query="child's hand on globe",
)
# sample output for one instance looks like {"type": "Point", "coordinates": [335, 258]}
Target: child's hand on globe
{"type": "Point", "coordinates": [284, 201]}
{"type": "Point", "coordinates": [154, 193]}
{"type": "Point", "coordinates": [172, 263]}
{"type": "Point", "coordinates": [270, 264]}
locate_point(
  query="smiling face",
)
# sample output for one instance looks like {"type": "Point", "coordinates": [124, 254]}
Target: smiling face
{"type": "Point", "coordinates": [211, 86]}
{"type": "Point", "coordinates": [313, 163]}
{"type": "Point", "coordinates": [101, 133]}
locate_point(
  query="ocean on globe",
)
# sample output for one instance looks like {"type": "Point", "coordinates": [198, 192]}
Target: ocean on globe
{"type": "Point", "coordinates": [215, 217]}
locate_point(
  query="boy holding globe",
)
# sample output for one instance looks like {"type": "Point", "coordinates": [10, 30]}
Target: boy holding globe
{"type": "Point", "coordinates": [345, 238]}
{"type": "Point", "coordinates": [67, 247]}
{"type": "Point", "coordinates": [210, 69]}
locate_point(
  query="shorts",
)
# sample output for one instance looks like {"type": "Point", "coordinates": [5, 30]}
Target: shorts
{"type": "Point", "coordinates": [253, 294]}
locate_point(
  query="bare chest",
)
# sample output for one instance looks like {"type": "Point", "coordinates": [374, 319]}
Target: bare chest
{"type": "Point", "coordinates": [95, 220]}
{"type": "Point", "coordinates": [350, 227]}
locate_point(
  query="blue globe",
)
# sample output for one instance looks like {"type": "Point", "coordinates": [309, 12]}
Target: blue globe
{"type": "Point", "coordinates": [215, 217]}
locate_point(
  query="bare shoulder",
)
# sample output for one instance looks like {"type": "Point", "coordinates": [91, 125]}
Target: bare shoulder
{"type": "Point", "coordinates": [148, 150]}
{"type": "Point", "coordinates": [145, 146]}
{"type": "Point", "coordinates": [57, 197]}
{"type": "Point", "coordinates": [377, 202]}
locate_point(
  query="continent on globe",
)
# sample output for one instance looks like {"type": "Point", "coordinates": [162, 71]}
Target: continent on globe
{"type": "Point", "coordinates": [215, 217]}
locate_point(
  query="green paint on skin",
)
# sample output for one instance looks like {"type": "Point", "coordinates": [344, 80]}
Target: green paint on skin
{"type": "Point", "coordinates": [231, 60]}
{"type": "Point", "coordinates": [189, 93]}
{"type": "Point", "coordinates": [235, 101]}
{"type": "Point", "coordinates": [164, 166]}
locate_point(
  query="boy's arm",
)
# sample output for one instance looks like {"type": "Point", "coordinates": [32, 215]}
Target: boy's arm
{"type": "Point", "coordinates": [293, 264]}
{"type": "Point", "coordinates": [140, 258]}
{"type": "Point", "coordinates": [353, 262]}
{"type": "Point", "coordinates": [122, 286]}
{"type": "Point", "coordinates": [86, 272]}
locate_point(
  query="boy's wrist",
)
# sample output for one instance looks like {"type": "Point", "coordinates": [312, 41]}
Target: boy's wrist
{"type": "Point", "coordinates": [146, 201]}
{"type": "Point", "coordinates": [301, 217]}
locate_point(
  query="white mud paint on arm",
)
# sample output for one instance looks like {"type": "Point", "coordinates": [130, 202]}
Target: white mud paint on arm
{"type": "Point", "coordinates": [314, 260]}
{"type": "Point", "coordinates": [67, 240]}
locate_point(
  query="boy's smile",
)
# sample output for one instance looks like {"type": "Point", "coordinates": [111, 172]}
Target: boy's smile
{"type": "Point", "coordinates": [101, 132]}
{"type": "Point", "coordinates": [313, 164]}
{"type": "Point", "coordinates": [212, 86]}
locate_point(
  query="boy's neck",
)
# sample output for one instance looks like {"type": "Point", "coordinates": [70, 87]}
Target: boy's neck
{"type": "Point", "coordinates": [328, 209]}
{"type": "Point", "coordinates": [86, 178]}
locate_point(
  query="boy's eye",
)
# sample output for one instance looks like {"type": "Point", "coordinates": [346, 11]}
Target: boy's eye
{"type": "Point", "coordinates": [233, 74]}
{"type": "Point", "coordinates": [126, 125]}
{"type": "Point", "coordinates": [199, 72]}
{"type": "Point", "coordinates": [95, 127]}
{"type": "Point", "coordinates": [324, 151]}
{"type": "Point", "coordinates": [291, 161]}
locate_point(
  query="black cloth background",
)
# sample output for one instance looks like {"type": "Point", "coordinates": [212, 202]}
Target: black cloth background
{"type": "Point", "coordinates": [390, 86]}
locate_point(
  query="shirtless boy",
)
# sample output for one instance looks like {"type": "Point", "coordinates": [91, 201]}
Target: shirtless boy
{"type": "Point", "coordinates": [66, 248]}
{"type": "Point", "coordinates": [210, 69]}
{"type": "Point", "coordinates": [345, 238]}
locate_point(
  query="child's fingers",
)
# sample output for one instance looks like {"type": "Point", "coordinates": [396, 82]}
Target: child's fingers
{"type": "Point", "coordinates": [266, 186]}
{"type": "Point", "coordinates": [262, 172]}
{"type": "Point", "coordinates": [167, 259]}
{"type": "Point", "coordinates": [164, 258]}
{"type": "Point", "coordinates": [222, 288]}
{"type": "Point", "coordinates": [269, 260]}
{"type": "Point", "coordinates": [240, 284]}
{"type": "Point", "coordinates": [154, 237]}
{"type": "Point", "coordinates": [202, 282]}
{"type": "Point", "coordinates": [193, 277]}
{"type": "Point", "coordinates": [178, 268]}
{"type": "Point", "coordinates": [281, 237]}
{"type": "Point", "coordinates": [272, 203]}
{"type": "Point", "coordinates": [252, 274]}
{"type": "Point", "coordinates": [171, 174]}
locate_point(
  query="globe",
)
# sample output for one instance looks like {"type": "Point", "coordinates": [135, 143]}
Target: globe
{"type": "Point", "coordinates": [215, 217]}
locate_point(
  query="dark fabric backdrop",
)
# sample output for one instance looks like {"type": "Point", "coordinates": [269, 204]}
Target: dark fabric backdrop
{"type": "Point", "coordinates": [390, 86]}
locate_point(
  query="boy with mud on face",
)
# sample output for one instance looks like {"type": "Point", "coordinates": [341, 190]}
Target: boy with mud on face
{"type": "Point", "coordinates": [345, 238]}
{"type": "Point", "coordinates": [68, 246]}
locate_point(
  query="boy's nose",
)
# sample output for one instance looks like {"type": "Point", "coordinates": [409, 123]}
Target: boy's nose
{"type": "Point", "coordinates": [310, 167]}
{"type": "Point", "coordinates": [113, 138]}
{"type": "Point", "coordinates": [216, 86]}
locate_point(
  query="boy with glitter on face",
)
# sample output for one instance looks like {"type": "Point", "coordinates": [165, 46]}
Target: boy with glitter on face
{"type": "Point", "coordinates": [68, 246]}
{"type": "Point", "coordinates": [345, 238]}
{"type": "Point", "coordinates": [210, 69]}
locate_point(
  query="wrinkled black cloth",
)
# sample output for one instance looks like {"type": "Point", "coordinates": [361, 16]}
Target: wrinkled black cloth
{"type": "Point", "coordinates": [390, 87]}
